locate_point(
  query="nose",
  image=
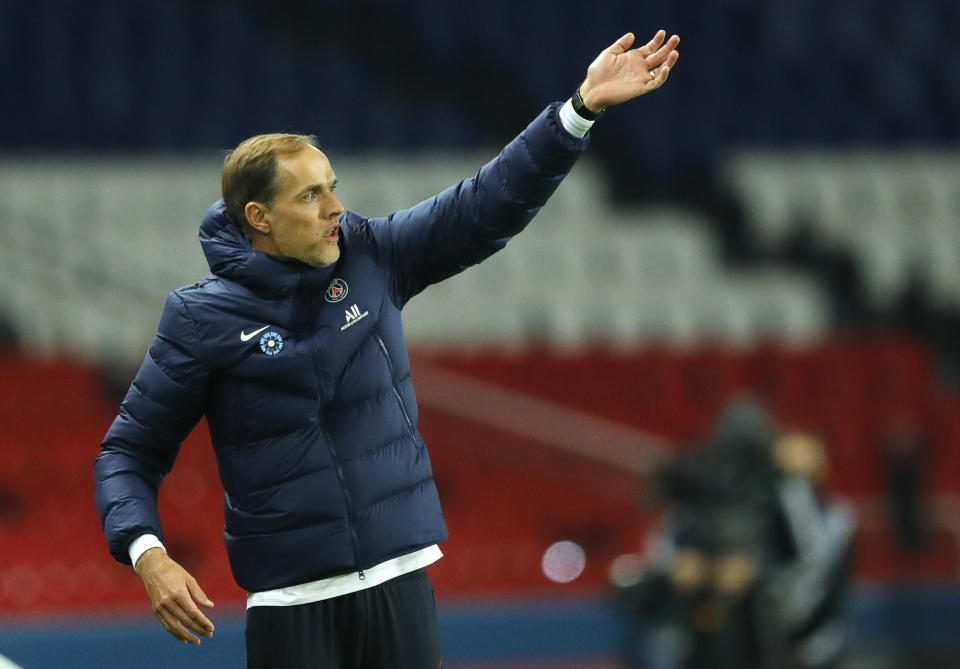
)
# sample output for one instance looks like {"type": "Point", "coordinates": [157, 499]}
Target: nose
{"type": "Point", "coordinates": [336, 207]}
{"type": "Point", "coordinates": [330, 207]}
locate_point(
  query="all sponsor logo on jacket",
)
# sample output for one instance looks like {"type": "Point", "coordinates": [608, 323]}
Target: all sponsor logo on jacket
{"type": "Point", "coordinates": [353, 317]}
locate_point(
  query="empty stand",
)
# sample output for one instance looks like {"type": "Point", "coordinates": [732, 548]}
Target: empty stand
{"type": "Point", "coordinates": [91, 274]}
{"type": "Point", "coordinates": [895, 212]}
{"type": "Point", "coordinates": [507, 495]}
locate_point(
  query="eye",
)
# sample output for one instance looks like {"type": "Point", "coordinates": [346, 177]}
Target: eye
{"type": "Point", "coordinates": [310, 196]}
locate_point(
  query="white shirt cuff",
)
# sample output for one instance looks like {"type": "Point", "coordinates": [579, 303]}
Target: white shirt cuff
{"type": "Point", "coordinates": [141, 545]}
{"type": "Point", "coordinates": [572, 122]}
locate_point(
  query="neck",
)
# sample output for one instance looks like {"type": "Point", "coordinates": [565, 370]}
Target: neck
{"type": "Point", "coordinates": [266, 244]}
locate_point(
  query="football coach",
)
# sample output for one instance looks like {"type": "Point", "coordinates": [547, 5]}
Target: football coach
{"type": "Point", "coordinates": [293, 350]}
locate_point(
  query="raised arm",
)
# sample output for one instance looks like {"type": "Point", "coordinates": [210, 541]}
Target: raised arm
{"type": "Point", "coordinates": [472, 220]}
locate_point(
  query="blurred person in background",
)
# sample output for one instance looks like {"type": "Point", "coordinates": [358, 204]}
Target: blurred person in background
{"type": "Point", "coordinates": [750, 569]}
{"type": "Point", "coordinates": [908, 452]}
{"type": "Point", "coordinates": [294, 352]}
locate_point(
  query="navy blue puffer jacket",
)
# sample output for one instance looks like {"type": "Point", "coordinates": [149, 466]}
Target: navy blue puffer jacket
{"type": "Point", "coordinates": [313, 418]}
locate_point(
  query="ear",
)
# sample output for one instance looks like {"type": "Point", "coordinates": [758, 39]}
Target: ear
{"type": "Point", "coordinates": [257, 217]}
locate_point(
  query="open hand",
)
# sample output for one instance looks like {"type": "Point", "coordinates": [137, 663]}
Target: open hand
{"type": "Point", "coordinates": [620, 73]}
{"type": "Point", "coordinates": [174, 595]}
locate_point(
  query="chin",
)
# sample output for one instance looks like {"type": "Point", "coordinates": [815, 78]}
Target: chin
{"type": "Point", "coordinates": [324, 259]}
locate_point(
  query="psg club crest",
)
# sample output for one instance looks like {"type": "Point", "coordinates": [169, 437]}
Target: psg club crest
{"type": "Point", "coordinates": [271, 343]}
{"type": "Point", "coordinates": [336, 291]}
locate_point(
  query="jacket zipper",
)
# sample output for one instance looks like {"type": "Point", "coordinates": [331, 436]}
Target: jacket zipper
{"type": "Point", "coordinates": [403, 407]}
{"type": "Point", "coordinates": [354, 539]}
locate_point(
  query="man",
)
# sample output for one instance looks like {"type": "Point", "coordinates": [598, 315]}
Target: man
{"type": "Point", "coordinates": [293, 350]}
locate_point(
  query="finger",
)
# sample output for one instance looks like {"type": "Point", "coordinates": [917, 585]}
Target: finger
{"type": "Point", "coordinates": [173, 626]}
{"type": "Point", "coordinates": [655, 74]}
{"type": "Point", "coordinates": [198, 594]}
{"type": "Point", "coordinates": [622, 44]}
{"type": "Point", "coordinates": [656, 40]}
{"type": "Point", "coordinates": [189, 616]}
{"type": "Point", "coordinates": [662, 75]}
{"type": "Point", "coordinates": [672, 59]}
{"type": "Point", "coordinates": [193, 619]}
{"type": "Point", "coordinates": [661, 54]}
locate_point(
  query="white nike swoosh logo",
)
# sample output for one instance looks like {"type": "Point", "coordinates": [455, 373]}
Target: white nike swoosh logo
{"type": "Point", "coordinates": [247, 337]}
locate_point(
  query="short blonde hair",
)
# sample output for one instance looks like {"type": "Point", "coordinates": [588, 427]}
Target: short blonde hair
{"type": "Point", "coordinates": [250, 172]}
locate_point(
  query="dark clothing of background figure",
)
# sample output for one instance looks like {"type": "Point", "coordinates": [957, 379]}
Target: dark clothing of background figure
{"type": "Point", "coordinates": [729, 497]}
{"type": "Point", "coordinates": [908, 452]}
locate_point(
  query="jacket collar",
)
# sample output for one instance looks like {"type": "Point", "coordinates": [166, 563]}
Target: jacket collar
{"type": "Point", "coordinates": [230, 256]}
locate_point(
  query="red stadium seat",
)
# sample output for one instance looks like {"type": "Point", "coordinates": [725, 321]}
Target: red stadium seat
{"type": "Point", "coordinates": [507, 497]}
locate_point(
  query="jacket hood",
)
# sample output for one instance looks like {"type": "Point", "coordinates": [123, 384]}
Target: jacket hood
{"type": "Point", "coordinates": [231, 256]}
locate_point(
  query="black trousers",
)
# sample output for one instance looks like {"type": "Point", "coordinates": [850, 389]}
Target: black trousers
{"type": "Point", "coordinates": [392, 625]}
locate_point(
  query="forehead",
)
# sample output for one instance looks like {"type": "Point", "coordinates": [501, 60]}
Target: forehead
{"type": "Point", "coordinates": [306, 167]}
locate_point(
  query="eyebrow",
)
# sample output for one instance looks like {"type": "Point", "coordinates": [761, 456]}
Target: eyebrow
{"type": "Point", "coordinates": [319, 186]}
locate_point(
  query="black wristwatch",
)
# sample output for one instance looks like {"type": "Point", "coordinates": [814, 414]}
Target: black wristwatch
{"type": "Point", "coordinates": [582, 109]}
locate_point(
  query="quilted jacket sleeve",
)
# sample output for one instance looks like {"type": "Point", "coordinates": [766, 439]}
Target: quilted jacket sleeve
{"type": "Point", "coordinates": [164, 402]}
{"type": "Point", "coordinates": [472, 220]}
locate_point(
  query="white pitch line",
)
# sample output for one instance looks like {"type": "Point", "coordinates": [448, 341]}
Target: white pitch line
{"type": "Point", "coordinates": [538, 419]}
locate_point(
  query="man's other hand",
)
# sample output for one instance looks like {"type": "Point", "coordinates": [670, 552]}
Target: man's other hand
{"type": "Point", "coordinates": [620, 73]}
{"type": "Point", "coordinates": [174, 595]}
